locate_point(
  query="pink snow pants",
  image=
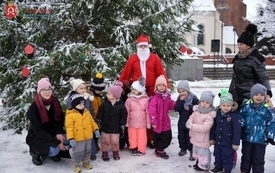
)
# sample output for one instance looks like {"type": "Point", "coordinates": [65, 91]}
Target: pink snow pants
{"type": "Point", "coordinates": [137, 138]}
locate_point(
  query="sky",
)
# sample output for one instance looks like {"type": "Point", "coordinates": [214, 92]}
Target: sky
{"type": "Point", "coordinates": [251, 8]}
{"type": "Point", "coordinates": [14, 157]}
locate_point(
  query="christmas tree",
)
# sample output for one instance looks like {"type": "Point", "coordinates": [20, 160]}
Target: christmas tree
{"type": "Point", "coordinates": [61, 39]}
{"type": "Point", "coordinates": [266, 31]}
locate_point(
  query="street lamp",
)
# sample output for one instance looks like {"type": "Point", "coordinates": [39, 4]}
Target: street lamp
{"type": "Point", "coordinates": [234, 32]}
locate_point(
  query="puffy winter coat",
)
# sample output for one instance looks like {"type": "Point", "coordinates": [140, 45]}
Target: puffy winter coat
{"type": "Point", "coordinates": [154, 69]}
{"type": "Point", "coordinates": [226, 130]}
{"type": "Point", "coordinates": [257, 123]}
{"type": "Point", "coordinates": [111, 117]}
{"type": "Point", "coordinates": [79, 127]}
{"type": "Point", "coordinates": [201, 126]}
{"type": "Point", "coordinates": [158, 111]}
{"type": "Point", "coordinates": [42, 136]}
{"type": "Point", "coordinates": [138, 116]}
{"type": "Point", "coordinates": [183, 113]}
{"type": "Point", "coordinates": [247, 72]}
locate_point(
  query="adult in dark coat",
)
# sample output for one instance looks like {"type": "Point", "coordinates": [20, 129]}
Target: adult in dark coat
{"type": "Point", "coordinates": [45, 135]}
{"type": "Point", "coordinates": [249, 68]}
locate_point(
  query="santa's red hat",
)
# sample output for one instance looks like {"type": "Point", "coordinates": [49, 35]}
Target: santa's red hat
{"type": "Point", "coordinates": [143, 40]}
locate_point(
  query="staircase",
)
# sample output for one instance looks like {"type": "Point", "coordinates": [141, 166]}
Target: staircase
{"type": "Point", "coordinates": [222, 73]}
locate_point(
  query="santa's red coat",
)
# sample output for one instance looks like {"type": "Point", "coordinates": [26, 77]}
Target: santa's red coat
{"type": "Point", "coordinates": [154, 69]}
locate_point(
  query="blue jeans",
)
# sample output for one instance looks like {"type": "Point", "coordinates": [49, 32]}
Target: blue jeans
{"type": "Point", "coordinates": [53, 151]}
{"type": "Point", "coordinates": [94, 150]}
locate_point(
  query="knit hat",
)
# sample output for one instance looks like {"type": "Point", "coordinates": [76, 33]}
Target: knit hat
{"type": "Point", "coordinates": [115, 90]}
{"type": "Point", "coordinates": [247, 37]}
{"type": "Point", "coordinates": [226, 97]}
{"type": "Point", "coordinates": [258, 89]}
{"type": "Point", "coordinates": [207, 96]}
{"type": "Point", "coordinates": [143, 40]}
{"type": "Point", "coordinates": [183, 85]}
{"type": "Point", "coordinates": [76, 99]}
{"type": "Point", "coordinates": [98, 82]}
{"type": "Point", "coordinates": [159, 80]}
{"type": "Point", "coordinates": [43, 83]}
{"type": "Point", "coordinates": [139, 85]}
{"type": "Point", "coordinates": [76, 82]}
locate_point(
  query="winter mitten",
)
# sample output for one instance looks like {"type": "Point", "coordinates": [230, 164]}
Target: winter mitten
{"type": "Point", "coordinates": [88, 96]}
{"type": "Point", "coordinates": [72, 142]}
{"type": "Point", "coordinates": [270, 141]}
{"type": "Point", "coordinates": [212, 142]}
{"type": "Point", "coordinates": [122, 131]}
{"type": "Point", "coordinates": [97, 134]}
{"type": "Point", "coordinates": [188, 125]}
{"type": "Point", "coordinates": [235, 147]}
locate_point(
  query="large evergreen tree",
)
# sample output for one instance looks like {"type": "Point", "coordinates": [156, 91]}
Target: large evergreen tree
{"type": "Point", "coordinates": [266, 30]}
{"type": "Point", "coordinates": [80, 38]}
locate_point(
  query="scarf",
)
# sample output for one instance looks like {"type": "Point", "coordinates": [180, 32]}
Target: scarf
{"type": "Point", "coordinates": [189, 100]}
{"type": "Point", "coordinates": [245, 53]}
{"type": "Point", "coordinates": [205, 110]}
{"type": "Point", "coordinates": [41, 103]}
{"type": "Point", "coordinates": [136, 96]}
{"type": "Point", "coordinates": [164, 94]}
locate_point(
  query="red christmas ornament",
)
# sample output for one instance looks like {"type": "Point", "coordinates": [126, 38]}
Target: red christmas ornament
{"type": "Point", "coordinates": [25, 72]}
{"type": "Point", "coordinates": [182, 49]}
{"type": "Point", "coordinates": [29, 49]}
{"type": "Point", "coordinates": [11, 10]}
{"type": "Point", "coordinates": [189, 51]}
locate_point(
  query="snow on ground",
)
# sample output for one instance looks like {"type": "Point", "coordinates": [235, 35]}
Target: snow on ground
{"type": "Point", "coordinates": [14, 156]}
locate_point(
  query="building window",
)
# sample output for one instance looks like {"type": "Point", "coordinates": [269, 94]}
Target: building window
{"type": "Point", "coordinates": [228, 50]}
{"type": "Point", "coordinates": [200, 37]}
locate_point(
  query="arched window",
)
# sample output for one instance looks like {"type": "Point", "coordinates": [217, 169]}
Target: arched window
{"type": "Point", "coordinates": [228, 50]}
{"type": "Point", "coordinates": [200, 38]}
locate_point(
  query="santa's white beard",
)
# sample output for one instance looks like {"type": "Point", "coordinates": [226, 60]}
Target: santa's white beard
{"type": "Point", "coordinates": [143, 54]}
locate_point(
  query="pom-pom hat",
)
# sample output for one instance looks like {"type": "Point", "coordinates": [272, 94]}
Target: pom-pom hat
{"type": "Point", "coordinates": [139, 85]}
{"type": "Point", "coordinates": [98, 82]}
{"type": "Point", "coordinates": [75, 83]}
{"type": "Point", "coordinates": [247, 37]}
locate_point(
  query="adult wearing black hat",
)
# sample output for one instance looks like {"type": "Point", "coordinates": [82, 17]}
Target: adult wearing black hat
{"type": "Point", "coordinates": [249, 68]}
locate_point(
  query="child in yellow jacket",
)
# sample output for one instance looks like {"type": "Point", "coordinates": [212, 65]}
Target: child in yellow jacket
{"type": "Point", "coordinates": [80, 127]}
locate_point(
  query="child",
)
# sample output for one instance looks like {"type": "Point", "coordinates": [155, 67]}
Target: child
{"type": "Point", "coordinates": [225, 134]}
{"type": "Point", "coordinates": [184, 105]}
{"type": "Point", "coordinates": [159, 106]}
{"type": "Point", "coordinates": [258, 127]}
{"type": "Point", "coordinates": [80, 126]}
{"type": "Point", "coordinates": [138, 117]}
{"type": "Point", "coordinates": [200, 123]}
{"type": "Point", "coordinates": [96, 88]}
{"type": "Point", "coordinates": [79, 87]}
{"type": "Point", "coordinates": [112, 116]}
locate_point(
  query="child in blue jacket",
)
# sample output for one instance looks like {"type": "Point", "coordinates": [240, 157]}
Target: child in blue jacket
{"type": "Point", "coordinates": [225, 134]}
{"type": "Point", "coordinates": [258, 128]}
{"type": "Point", "coordinates": [184, 105]}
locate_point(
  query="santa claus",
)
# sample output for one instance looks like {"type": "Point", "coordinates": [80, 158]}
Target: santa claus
{"type": "Point", "coordinates": [143, 63]}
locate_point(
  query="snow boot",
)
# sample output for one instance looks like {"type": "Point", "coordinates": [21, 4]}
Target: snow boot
{"type": "Point", "coordinates": [87, 164]}
{"type": "Point", "coordinates": [116, 155]}
{"type": "Point", "coordinates": [105, 156]}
